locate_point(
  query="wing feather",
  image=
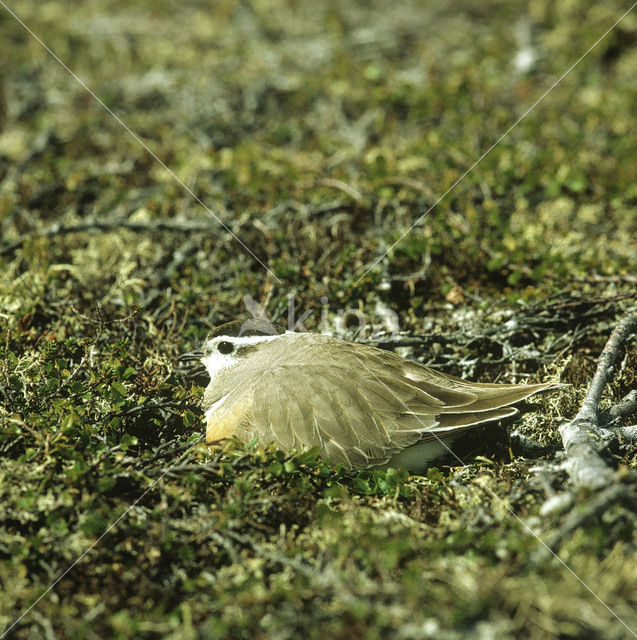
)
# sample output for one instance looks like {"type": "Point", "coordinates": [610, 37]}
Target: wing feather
{"type": "Point", "coordinates": [334, 415]}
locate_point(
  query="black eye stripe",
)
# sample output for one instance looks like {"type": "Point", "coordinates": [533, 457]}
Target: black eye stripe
{"type": "Point", "coordinates": [225, 347]}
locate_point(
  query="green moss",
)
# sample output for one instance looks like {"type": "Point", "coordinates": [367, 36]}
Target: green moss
{"type": "Point", "coordinates": [319, 145]}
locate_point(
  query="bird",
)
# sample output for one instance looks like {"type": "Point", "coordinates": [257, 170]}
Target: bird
{"type": "Point", "coordinates": [361, 406]}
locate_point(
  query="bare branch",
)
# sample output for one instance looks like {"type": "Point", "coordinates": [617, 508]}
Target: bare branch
{"type": "Point", "coordinates": [582, 437]}
{"type": "Point", "coordinates": [204, 226]}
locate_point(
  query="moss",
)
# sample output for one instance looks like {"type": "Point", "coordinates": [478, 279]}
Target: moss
{"type": "Point", "coordinates": [319, 134]}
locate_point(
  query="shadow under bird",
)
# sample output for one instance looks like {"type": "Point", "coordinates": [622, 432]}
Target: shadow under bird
{"type": "Point", "coordinates": [361, 406]}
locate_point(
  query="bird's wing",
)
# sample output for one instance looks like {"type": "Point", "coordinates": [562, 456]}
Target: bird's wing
{"type": "Point", "coordinates": [354, 419]}
{"type": "Point", "coordinates": [442, 392]}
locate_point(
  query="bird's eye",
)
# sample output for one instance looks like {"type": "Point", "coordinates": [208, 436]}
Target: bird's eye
{"type": "Point", "coordinates": [225, 347]}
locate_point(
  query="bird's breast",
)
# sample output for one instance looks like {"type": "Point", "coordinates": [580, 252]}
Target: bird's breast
{"type": "Point", "coordinates": [224, 419]}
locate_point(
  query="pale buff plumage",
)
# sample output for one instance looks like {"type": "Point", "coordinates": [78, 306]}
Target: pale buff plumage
{"type": "Point", "coordinates": [360, 405]}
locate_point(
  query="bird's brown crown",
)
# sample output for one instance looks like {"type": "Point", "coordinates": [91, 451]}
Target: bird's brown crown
{"type": "Point", "coordinates": [251, 327]}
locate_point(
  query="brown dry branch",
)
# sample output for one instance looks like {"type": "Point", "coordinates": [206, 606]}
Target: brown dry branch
{"type": "Point", "coordinates": [623, 493]}
{"type": "Point", "coordinates": [583, 437]}
{"type": "Point", "coordinates": [625, 407]}
{"type": "Point", "coordinates": [113, 225]}
{"type": "Point", "coordinates": [204, 225]}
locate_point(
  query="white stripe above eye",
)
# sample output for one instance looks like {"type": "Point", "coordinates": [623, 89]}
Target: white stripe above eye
{"type": "Point", "coordinates": [244, 340]}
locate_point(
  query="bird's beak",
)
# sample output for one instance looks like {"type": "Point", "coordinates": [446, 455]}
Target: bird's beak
{"type": "Point", "coordinates": [197, 354]}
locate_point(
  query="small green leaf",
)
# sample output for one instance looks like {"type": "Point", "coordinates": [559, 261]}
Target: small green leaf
{"type": "Point", "coordinates": [119, 389]}
{"type": "Point", "coordinates": [127, 441]}
{"type": "Point", "coordinates": [362, 485]}
{"type": "Point", "coordinates": [105, 484]}
{"type": "Point", "coordinates": [308, 457]}
{"type": "Point", "coordinates": [189, 418]}
{"type": "Point", "coordinates": [276, 469]}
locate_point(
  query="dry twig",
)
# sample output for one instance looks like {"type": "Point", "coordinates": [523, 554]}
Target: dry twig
{"type": "Point", "coordinates": [113, 225]}
{"type": "Point", "coordinates": [582, 437]}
